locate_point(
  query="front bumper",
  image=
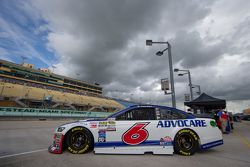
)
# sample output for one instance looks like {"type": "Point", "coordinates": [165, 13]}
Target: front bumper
{"type": "Point", "coordinates": [56, 147]}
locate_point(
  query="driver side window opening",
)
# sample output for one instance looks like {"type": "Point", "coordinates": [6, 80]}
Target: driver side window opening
{"type": "Point", "coordinates": [138, 114]}
{"type": "Point", "coordinates": [168, 114]}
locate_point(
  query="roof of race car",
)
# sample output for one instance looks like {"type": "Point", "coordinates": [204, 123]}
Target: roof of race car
{"type": "Point", "coordinates": [148, 106]}
{"type": "Point", "coordinates": [137, 106]}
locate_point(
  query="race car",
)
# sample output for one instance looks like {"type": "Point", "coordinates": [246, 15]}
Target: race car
{"type": "Point", "coordinates": [139, 129]}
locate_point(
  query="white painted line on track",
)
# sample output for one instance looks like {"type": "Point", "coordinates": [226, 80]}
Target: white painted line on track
{"type": "Point", "coordinates": [23, 153]}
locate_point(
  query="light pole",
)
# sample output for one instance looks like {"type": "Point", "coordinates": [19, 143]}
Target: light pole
{"type": "Point", "coordinates": [160, 53]}
{"type": "Point", "coordinates": [189, 78]}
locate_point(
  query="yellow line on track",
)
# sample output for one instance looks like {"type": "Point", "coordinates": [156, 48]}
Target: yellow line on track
{"type": "Point", "coordinates": [243, 139]}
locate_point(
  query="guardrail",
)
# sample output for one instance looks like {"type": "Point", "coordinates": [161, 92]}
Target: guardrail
{"type": "Point", "coordinates": [35, 112]}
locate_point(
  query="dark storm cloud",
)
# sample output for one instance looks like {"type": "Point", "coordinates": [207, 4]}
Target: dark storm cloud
{"type": "Point", "coordinates": [238, 89]}
{"type": "Point", "coordinates": [193, 51]}
{"type": "Point", "coordinates": [111, 27]}
{"type": "Point", "coordinates": [107, 27]}
{"type": "Point", "coordinates": [107, 43]}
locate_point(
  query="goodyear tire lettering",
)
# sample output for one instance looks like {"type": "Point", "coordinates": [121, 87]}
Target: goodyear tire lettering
{"type": "Point", "coordinates": [78, 128]}
{"type": "Point", "coordinates": [82, 135]}
{"type": "Point", "coordinates": [186, 142]}
{"type": "Point", "coordinates": [184, 153]}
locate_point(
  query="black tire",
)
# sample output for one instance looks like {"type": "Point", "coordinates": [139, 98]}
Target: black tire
{"type": "Point", "coordinates": [79, 140]}
{"type": "Point", "coordinates": [186, 142]}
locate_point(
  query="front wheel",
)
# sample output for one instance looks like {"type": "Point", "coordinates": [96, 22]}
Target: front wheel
{"type": "Point", "coordinates": [79, 140]}
{"type": "Point", "coordinates": [186, 142]}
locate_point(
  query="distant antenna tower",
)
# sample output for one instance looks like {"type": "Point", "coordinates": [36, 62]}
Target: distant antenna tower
{"type": "Point", "coordinates": [23, 59]}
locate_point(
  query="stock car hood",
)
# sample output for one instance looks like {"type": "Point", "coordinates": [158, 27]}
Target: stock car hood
{"type": "Point", "coordinates": [69, 125]}
{"type": "Point", "coordinates": [84, 120]}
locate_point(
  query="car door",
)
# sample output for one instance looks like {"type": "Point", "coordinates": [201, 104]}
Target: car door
{"type": "Point", "coordinates": [169, 121]}
{"type": "Point", "coordinates": [133, 127]}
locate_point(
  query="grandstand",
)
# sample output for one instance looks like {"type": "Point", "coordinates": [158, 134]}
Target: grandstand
{"type": "Point", "coordinates": [24, 86]}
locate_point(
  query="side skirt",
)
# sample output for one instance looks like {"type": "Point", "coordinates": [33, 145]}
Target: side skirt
{"type": "Point", "coordinates": [135, 150]}
{"type": "Point", "coordinates": [211, 144]}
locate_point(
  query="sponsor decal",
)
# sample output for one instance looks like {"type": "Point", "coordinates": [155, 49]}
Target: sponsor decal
{"type": "Point", "coordinates": [83, 123]}
{"type": "Point", "coordinates": [162, 143]}
{"type": "Point", "coordinates": [111, 120]}
{"type": "Point", "coordinates": [181, 123]}
{"type": "Point", "coordinates": [111, 127]}
{"type": "Point", "coordinates": [93, 124]}
{"type": "Point", "coordinates": [213, 123]}
{"type": "Point", "coordinates": [166, 141]}
{"type": "Point", "coordinates": [212, 144]}
{"type": "Point", "coordinates": [103, 125]}
{"type": "Point", "coordinates": [56, 147]}
{"type": "Point", "coordinates": [101, 136]}
{"type": "Point", "coordinates": [136, 134]}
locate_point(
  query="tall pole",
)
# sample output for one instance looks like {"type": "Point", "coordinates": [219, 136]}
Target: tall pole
{"type": "Point", "coordinates": [171, 76]}
{"type": "Point", "coordinates": [190, 85]}
{"type": "Point", "coordinates": [160, 53]}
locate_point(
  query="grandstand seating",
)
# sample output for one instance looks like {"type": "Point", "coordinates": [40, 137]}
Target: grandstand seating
{"type": "Point", "coordinates": [6, 103]}
{"type": "Point", "coordinates": [28, 87]}
{"type": "Point", "coordinates": [38, 94]}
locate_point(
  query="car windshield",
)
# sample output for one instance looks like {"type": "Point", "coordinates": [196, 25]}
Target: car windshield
{"type": "Point", "coordinates": [111, 115]}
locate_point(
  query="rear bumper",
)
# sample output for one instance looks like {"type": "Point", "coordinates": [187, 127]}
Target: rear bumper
{"type": "Point", "coordinates": [56, 147]}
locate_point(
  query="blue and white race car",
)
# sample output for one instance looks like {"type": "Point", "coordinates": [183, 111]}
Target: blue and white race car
{"type": "Point", "coordinates": [137, 130]}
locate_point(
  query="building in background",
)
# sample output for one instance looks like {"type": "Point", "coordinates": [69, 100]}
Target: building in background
{"type": "Point", "coordinates": [246, 111]}
{"type": "Point", "coordinates": [25, 86]}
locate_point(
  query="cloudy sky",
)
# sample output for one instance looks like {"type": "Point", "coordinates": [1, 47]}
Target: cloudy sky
{"type": "Point", "coordinates": [104, 41]}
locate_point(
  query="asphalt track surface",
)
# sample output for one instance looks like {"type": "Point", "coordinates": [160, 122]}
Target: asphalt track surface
{"type": "Point", "coordinates": [24, 144]}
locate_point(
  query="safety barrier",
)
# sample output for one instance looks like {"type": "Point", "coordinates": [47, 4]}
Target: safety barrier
{"type": "Point", "coordinates": [34, 112]}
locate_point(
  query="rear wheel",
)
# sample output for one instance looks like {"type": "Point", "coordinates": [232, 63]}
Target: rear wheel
{"type": "Point", "coordinates": [79, 140]}
{"type": "Point", "coordinates": [186, 142]}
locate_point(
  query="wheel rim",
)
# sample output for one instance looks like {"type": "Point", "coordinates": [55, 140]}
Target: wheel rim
{"type": "Point", "coordinates": [79, 140]}
{"type": "Point", "coordinates": [186, 142]}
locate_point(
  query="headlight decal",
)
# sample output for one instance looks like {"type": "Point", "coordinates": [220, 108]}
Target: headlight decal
{"type": "Point", "coordinates": [60, 129]}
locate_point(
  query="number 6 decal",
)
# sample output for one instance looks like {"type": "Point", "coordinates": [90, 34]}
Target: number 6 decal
{"type": "Point", "coordinates": [136, 134]}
